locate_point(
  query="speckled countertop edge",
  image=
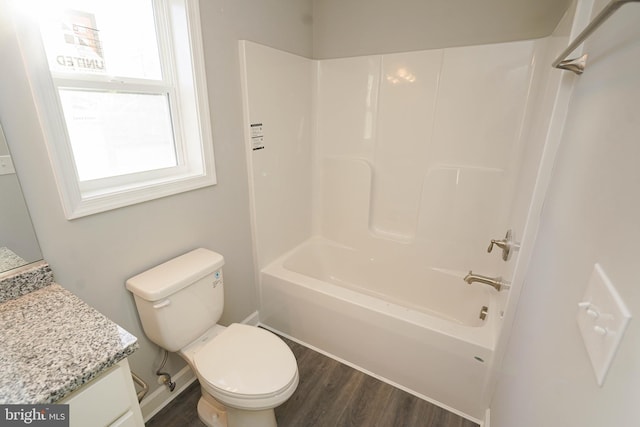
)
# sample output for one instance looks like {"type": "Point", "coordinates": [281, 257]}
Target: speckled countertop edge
{"type": "Point", "coordinates": [53, 343]}
{"type": "Point", "coordinates": [25, 280]}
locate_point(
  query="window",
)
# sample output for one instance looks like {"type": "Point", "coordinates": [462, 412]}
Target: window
{"type": "Point", "coordinates": [121, 94]}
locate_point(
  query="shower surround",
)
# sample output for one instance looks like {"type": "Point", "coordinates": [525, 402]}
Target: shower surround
{"type": "Point", "coordinates": [377, 183]}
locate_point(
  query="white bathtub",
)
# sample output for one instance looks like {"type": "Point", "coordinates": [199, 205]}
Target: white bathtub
{"type": "Point", "coordinates": [412, 326]}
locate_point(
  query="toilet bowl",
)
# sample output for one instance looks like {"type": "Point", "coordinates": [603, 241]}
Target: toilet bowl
{"type": "Point", "coordinates": [248, 370]}
{"type": "Point", "coordinates": [244, 371]}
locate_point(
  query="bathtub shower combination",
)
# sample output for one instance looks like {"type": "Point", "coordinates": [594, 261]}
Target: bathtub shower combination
{"type": "Point", "coordinates": [377, 184]}
{"type": "Point", "coordinates": [414, 330]}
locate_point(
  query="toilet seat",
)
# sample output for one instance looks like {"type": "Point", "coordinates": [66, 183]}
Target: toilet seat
{"type": "Point", "coordinates": [247, 367]}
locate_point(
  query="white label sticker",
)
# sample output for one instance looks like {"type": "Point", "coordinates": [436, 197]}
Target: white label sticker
{"type": "Point", "coordinates": [257, 136]}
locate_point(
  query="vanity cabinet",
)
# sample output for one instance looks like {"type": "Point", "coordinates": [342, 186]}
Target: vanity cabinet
{"type": "Point", "coordinates": [56, 348]}
{"type": "Point", "coordinates": [109, 400]}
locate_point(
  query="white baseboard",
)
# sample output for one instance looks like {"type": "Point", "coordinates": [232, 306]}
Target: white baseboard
{"type": "Point", "coordinates": [154, 402]}
{"type": "Point", "coordinates": [253, 319]}
{"type": "Point", "coordinates": [487, 418]}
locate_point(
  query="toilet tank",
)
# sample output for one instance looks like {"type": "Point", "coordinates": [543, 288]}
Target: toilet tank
{"type": "Point", "coordinates": [179, 300]}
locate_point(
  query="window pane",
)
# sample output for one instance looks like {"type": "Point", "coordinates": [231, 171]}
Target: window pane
{"type": "Point", "coordinates": [115, 37]}
{"type": "Point", "coordinates": [114, 133]}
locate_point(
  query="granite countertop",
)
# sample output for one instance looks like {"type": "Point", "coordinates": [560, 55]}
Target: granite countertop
{"type": "Point", "coordinates": [51, 343]}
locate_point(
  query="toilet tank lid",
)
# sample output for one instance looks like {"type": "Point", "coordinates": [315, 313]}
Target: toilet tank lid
{"type": "Point", "coordinates": [175, 274]}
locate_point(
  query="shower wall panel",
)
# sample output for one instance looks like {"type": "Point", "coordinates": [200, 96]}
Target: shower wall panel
{"type": "Point", "coordinates": [277, 90]}
{"type": "Point", "coordinates": [408, 91]}
{"type": "Point", "coordinates": [431, 138]}
{"type": "Point", "coordinates": [414, 152]}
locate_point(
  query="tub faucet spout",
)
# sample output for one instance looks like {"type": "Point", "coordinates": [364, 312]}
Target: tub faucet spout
{"type": "Point", "coordinates": [495, 282]}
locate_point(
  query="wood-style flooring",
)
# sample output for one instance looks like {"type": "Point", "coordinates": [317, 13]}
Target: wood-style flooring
{"type": "Point", "coordinates": [329, 394]}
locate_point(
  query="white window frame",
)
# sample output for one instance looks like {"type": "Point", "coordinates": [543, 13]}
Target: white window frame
{"type": "Point", "coordinates": [184, 80]}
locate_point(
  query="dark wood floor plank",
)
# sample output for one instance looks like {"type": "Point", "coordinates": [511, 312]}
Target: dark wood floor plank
{"type": "Point", "coordinates": [453, 420]}
{"type": "Point", "coordinates": [311, 368]}
{"type": "Point", "coordinates": [365, 406]}
{"type": "Point", "coordinates": [182, 411]}
{"type": "Point", "coordinates": [329, 394]}
{"type": "Point", "coordinates": [404, 409]}
{"type": "Point", "coordinates": [323, 383]}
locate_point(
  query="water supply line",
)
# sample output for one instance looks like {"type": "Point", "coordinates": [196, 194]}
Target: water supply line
{"type": "Point", "coordinates": [166, 378]}
{"type": "Point", "coordinates": [145, 388]}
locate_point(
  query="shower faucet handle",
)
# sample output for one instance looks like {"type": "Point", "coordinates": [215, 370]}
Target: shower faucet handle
{"type": "Point", "coordinates": [507, 245]}
{"type": "Point", "coordinates": [502, 244]}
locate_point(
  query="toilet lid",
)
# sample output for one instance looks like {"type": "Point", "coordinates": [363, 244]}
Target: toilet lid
{"type": "Point", "coordinates": [246, 360]}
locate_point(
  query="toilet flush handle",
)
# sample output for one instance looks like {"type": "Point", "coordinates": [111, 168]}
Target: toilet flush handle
{"type": "Point", "coordinates": [162, 304]}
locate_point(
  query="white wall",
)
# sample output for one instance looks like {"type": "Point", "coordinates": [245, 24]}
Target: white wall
{"type": "Point", "coordinates": [364, 27]}
{"type": "Point", "coordinates": [93, 256]}
{"type": "Point", "coordinates": [277, 90]}
{"type": "Point", "coordinates": [592, 214]}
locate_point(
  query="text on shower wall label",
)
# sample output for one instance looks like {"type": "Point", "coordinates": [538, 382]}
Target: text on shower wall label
{"type": "Point", "coordinates": [257, 136]}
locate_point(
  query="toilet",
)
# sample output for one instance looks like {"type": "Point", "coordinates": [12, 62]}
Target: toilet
{"type": "Point", "coordinates": [244, 371]}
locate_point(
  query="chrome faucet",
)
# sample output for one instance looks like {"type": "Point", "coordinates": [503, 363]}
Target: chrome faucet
{"type": "Point", "coordinates": [496, 282]}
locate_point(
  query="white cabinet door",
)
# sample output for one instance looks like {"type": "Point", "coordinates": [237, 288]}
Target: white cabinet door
{"type": "Point", "coordinates": [108, 400]}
